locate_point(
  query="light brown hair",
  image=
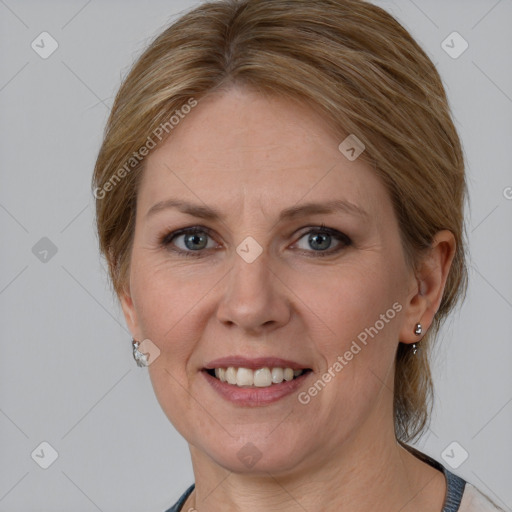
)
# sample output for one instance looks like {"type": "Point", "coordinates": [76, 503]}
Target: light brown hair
{"type": "Point", "coordinates": [349, 60]}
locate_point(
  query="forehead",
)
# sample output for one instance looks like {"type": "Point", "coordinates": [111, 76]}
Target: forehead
{"type": "Point", "coordinates": [240, 146]}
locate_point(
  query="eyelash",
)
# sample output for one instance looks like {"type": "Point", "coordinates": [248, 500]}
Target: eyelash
{"type": "Point", "coordinates": [166, 240]}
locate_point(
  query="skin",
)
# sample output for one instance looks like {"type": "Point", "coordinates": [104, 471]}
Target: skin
{"type": "Point", "coordinates": [250, 156]}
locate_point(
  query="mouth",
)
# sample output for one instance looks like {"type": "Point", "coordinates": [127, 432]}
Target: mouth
{"type": "Point", "coordinates": [263, 377]}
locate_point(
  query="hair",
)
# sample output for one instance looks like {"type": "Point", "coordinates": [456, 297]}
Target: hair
{"type": "Point", "coordinates": [349, 60]}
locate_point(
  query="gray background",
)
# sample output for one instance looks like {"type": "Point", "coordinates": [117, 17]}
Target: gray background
{"type": "Point", "coordinates": [67, 373]}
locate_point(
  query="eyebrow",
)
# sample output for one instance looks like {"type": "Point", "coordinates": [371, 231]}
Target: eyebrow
{"type": "Point", "coordinates": [206, 212]}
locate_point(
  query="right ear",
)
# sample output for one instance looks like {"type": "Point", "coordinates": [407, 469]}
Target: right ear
{"type": "Point", "coordinates": [129, 311]}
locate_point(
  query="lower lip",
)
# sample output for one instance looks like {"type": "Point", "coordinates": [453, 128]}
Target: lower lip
{"type": "Point", "coordinates": [254, 396]}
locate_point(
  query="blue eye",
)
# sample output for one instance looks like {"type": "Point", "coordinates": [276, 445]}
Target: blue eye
{"type": "Point", "coordinates": [196, 238]}
{"type": "Point", "coordinates": [320, 240]}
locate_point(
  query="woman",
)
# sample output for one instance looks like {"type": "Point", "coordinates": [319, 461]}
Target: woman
{"type": "Point", "coordinates": [280, 196]}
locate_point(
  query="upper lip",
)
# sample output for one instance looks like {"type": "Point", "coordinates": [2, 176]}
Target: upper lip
{"type": "Point", "coordinates": [254, 363]}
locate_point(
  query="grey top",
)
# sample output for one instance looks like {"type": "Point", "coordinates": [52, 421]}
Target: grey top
{"type": "Point", "coordinates": [454, 486]}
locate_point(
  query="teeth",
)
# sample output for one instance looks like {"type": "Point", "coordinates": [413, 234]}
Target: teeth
{"type": "Point", "coordinates": [277, 375]}
{"type": "Point", "coordinates": [220, 373]}
{"type": "Point", "coordinates": [261, 378]}
{"type": "Point", "coordinates": [231, 375]}
{"type": "Point", "coordinates": [244, 377]}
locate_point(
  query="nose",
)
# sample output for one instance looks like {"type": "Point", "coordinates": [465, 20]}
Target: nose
{"type": "Point", "coordinates": [254, 298]}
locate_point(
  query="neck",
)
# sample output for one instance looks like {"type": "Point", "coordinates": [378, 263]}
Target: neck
{"type": "Point", "coordinates": [360, 476]}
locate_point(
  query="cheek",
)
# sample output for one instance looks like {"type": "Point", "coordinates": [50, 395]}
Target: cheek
{"type": "Point", "coordinates": [347, 302]}
{"type": "Point", "coordinates": [166, 296]}
{"type": "Point", "coordinates": [170, 307]}
{"type": "Point", "coordinates": [167, 309]}
{"type": "Point", "coordinates": [355, 314]}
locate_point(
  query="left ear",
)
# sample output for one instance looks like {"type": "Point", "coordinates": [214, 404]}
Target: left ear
{"type": "Point", "coordinates": [428, 286]}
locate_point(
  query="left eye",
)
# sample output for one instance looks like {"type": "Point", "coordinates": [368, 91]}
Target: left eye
{"type": "Point", "coordinates": [320, 240]}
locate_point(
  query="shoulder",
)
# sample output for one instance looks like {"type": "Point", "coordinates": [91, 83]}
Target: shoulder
{"type": "Point", "coordinates": [177, 506]}
{"type": "Point", "coordinates": [473, 500]}
{"type": "Point", "coordinates": [461, 495]}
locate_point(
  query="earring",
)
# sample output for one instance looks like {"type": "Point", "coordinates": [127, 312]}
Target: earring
{"type": "Point", "coordinates": [140, 358]}
{"type": "Point", "coordinates": [417, 330]}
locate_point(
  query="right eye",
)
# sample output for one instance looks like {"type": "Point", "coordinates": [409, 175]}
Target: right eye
{"type": "Point", "coordinates": [195, 240]}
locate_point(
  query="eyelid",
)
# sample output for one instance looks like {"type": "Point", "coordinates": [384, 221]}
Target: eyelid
{"type": "Point", "coordinates": [185, 231]}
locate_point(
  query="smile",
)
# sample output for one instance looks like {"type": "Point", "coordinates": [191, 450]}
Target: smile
{"type": "Point", "coordinates": [260, 377]}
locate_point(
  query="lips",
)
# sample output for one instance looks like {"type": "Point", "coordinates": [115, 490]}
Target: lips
{"type": "Point", "coordinates": [254, 382]}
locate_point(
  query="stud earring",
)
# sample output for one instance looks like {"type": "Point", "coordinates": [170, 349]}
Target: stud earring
{"type": "Point", "coordinates": [140, 358]}
{"type": "Point", "coordinates": [417, 330]}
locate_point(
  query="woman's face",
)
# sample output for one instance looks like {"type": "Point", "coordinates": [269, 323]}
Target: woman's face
{"type": "Point", "coordinates": [261, 286]}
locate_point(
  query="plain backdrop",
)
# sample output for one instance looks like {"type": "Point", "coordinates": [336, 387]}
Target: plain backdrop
{"type": "Point", "coordinates": [67, 376]}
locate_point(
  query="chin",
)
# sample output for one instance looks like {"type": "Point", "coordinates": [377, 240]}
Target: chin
{"type": "Point", "coordinates": [257, 455]}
